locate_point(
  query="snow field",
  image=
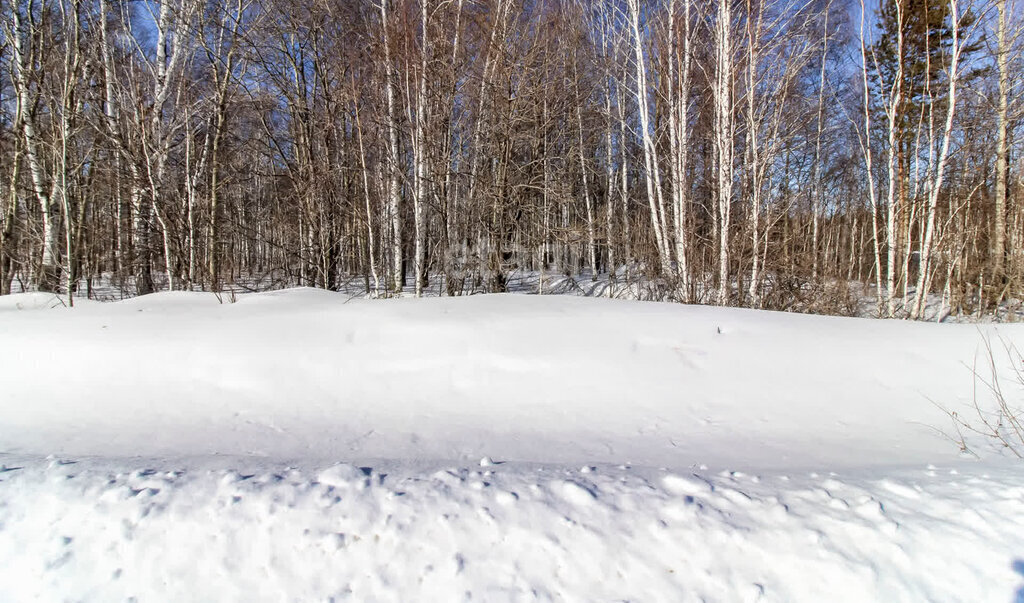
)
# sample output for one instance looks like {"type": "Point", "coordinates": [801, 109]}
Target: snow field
{"type": "Point", "coordinates": [306, 373]}
{"type": "Point", "coordinates": [85, 531]}
{"type": "Point", "coordinates": [298, 446]}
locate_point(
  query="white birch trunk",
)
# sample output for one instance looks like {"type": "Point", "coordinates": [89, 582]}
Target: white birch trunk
{"type": "Point", "coordinates": [892, 108]}
{"type": "Point", "coordinates": [865, 144]}
{"type": "Point", "coordinates": [624, 179]}
{"type": "Point", "coordinates": [450, 186]}
{"type": "Point", "coordinates": [935, 185]}
{"type": "Point", "coordinates": [69, 107]}
{"type": "Point", "coordinates": [817, 202]}
{"type": "Point", "coordinates": [1002, 126]}
{"type": "Point", "coordinates": [588, 201]}
{"type": "Point", "coordinates": [609, 164]}
{"type": "Point", "coordinates": [394, 195]}
{"type": "Point", "coordinates": [723, 139]}
{"type": "Point", "coordinates": [652, 171]}
{"type": "Point", "coordinates": [21, 69]}
{"type": "Point", "coordinates": [420, 156]}
{"type": "Point", "coordinates": [679, 140]}
{"type": "Point", "coordinates": [753, 147]}
{"type": "Point", "coordinates": [371, 240]}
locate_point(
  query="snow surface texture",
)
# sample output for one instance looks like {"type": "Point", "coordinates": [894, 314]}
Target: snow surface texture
{"type": "Point", "coordinates": [293, 446]}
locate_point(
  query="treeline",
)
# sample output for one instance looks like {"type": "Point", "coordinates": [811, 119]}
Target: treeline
{"type": "Point", "coordinates": [744, 152]}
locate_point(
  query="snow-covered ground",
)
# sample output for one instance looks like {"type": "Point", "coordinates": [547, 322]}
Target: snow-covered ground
{"type": "Point", "coordinates": [852, 298]}
{"type": "Point", "coordinates": [302, 445]}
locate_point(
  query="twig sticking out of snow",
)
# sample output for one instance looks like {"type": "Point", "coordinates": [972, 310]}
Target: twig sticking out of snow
{"type": "Point", "coordinates": [1001, 422]}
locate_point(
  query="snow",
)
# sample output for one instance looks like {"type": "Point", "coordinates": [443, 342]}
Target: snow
{"type": "Point", "coordinates": [303, 445]}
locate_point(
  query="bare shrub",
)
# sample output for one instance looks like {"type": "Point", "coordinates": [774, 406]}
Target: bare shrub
{"type": "Point", "coordinates": [791, 293]}
{"type": "Point", "coordinates": [1000, 420]}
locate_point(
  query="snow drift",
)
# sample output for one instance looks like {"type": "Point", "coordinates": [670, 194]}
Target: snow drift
{"type": "Point", "coordinates": [303, 373]}
{"type": "Point", "coordinates": [629, 450]}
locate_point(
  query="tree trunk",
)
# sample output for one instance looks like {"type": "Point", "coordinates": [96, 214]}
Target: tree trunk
{"type": "Point", "coordinates": [723, 109]}
{"type": "Point", "coordinates": [935, 186]}
{"type": "Point", "coordinates": [1002, 165]}
{"type": "Point", "coordinates": [49, 267]}
{"type": "Point", "coordinates": [420, 157]}
{"type": "Point", "coordinates": [652, 171]}
{"type": "Point", "coordinates": [394, 196]}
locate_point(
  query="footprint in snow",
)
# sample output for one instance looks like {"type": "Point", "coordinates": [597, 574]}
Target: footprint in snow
{"type": "Point", "coordinates": [576, 493]}
{"type": "Point", "coordinates": [682, 486]}
{"type": "Point", "coordinates": [506, 499]}
{"type": "Point", "coordinates": [343, 476]}
{"type": "Point", "coordinates": [900, 489]}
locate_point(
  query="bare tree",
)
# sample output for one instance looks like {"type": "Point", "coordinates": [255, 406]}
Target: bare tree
{"type": "Point", "coordinates": [270, 142]}
{"type": "Point", "coordinates": [722, 89]}
{"type": "Point", "coordinates": [25, 31]}
{"type": "Point", "coordinates": [652, 169]}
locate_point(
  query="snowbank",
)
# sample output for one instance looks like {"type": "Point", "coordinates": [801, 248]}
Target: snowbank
{"type": "Point", "coordinates": [302, 373]}
{"type": "Point", "coordinates": [497, 446]}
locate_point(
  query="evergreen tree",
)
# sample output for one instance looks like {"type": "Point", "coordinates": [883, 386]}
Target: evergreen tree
{"type": "Point", "coordinates": [924, 57]}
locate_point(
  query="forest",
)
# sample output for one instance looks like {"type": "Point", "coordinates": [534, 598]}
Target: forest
{"type": "Point", "coordinates": [780, 154]}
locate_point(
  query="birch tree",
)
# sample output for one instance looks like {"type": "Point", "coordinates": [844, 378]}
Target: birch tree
{"type": "Point", "coordinates": [680, 66]}
{"type": "Point", "coordinates": [24, 29]}
{"type": "Point", "coordinates": [689, 148]}
{"type": "Point", "coordinates": [420, 153]}
{"type": "Point", "coordinates": [722, 91]}
{"type": "Point", "coordinates": [864, 138]}
{"type": "Point", "coordinates": [393, 187]}
{"type": "Point", "coordinates": [937, 175]}
{"type": "Point", "coordinates": [652, 169]}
